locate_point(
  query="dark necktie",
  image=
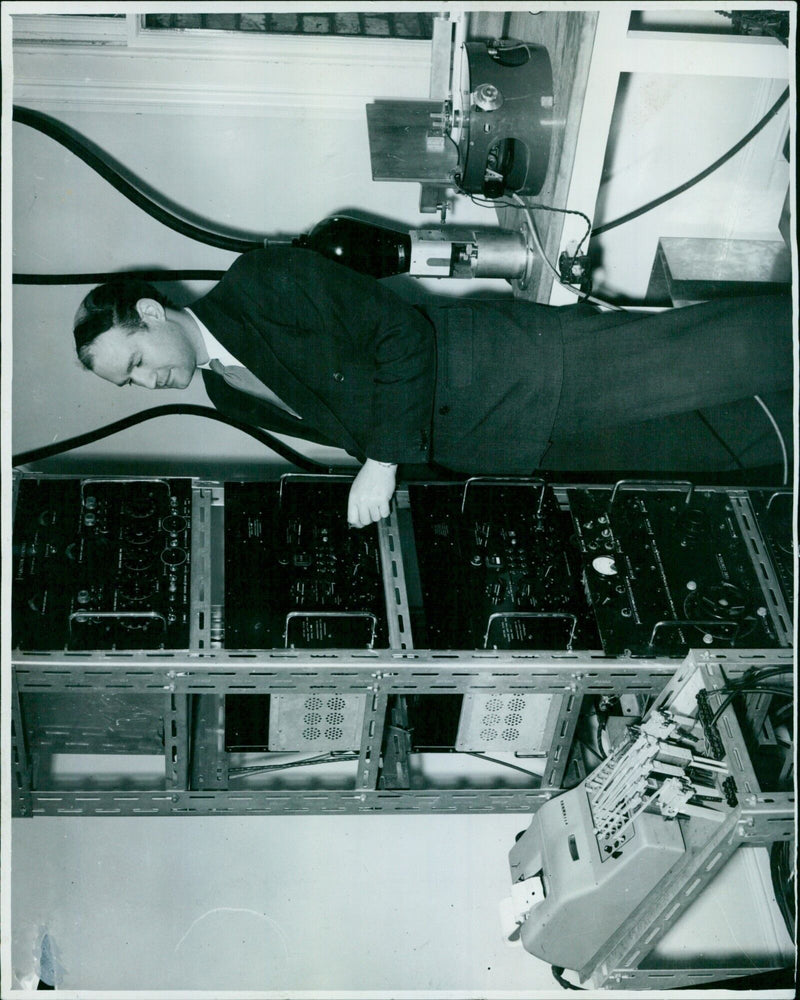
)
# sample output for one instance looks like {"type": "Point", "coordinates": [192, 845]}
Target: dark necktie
{"type": "Point", "coordinates": [245, 381]}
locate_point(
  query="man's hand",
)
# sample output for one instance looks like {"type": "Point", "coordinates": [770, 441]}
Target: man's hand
{"type": "Point", "coordinates": [370, 493]}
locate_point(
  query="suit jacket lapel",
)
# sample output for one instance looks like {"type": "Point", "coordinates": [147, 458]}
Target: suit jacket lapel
{"type": "Point", "coordinates": [252, 410]}
{"type": "Point", "coordinates": [256, 354]}
{"type": "Point", "coordinates": [230, 324]}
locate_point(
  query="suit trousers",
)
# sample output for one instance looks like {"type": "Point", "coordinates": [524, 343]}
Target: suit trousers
{"type": "Point", "coordinates": [625, 368]}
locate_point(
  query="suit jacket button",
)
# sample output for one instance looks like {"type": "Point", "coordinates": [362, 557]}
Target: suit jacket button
{"type": "Point", "coordinates": [444, 410]}
{"type": "Point", "coordinates": [338, 377]}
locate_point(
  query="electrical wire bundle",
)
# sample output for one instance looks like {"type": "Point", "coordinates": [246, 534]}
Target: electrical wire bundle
{"type": "Point", "coordinates": [325, 758]}
{"type": "Point", "coordinates": [751, 682]}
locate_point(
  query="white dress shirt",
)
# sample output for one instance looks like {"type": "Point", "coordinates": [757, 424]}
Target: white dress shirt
{"type": "Point", "coordinates": [217, 352]}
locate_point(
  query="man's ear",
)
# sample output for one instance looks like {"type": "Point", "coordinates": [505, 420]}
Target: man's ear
{"type": "Point", "coordinates": [149, 310]}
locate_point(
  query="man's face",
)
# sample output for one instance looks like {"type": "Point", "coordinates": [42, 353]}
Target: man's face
{"type": "Point", "coordinates": [157, 356]}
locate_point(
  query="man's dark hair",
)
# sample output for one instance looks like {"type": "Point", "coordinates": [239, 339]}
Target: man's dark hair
{"type": "Point", "coordinates": [112, 304]}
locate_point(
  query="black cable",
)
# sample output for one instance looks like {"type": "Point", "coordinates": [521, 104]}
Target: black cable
{"type": "Point", "coordinates": [570, 211]}
{"type": "Point", "coordinates": [558, 975]}
{"type": "Point", "coordinates": [173, 409]}
{"type": "Point", "coordinates": [101, 277]}
{"type": "Point", "coordinates": [785, 692]}
{"type": "Point", "coordinates": [755, 676]}
{"type": "Point", "coordinates": [493, 203]}
{"type": "Point", "coordinates": [458, 155]}
{"type": "Point", "coordinates": [587, 746]}
{"type": "Point", "coordinates": [504, 763]}
{"type": "Point", "coordinates": [241, 772]}
{"type": "Point", "coordinates": [760, 673]}
{"type": "Point", "coordinates": [55, 130]}
{"type": "Point", "coordinates": [781, 870]}
{"type": "Point", "coordinates": [487, 202]}
{"type": "Point", "coordinates": [719, 439]}
{"type": "Point", "coordinates": [650, 205]}
{"type": "Point", "coordinates": [596, 745]}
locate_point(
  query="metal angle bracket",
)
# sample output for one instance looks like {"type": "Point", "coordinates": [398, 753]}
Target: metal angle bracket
{"type": "Point", "coordinates": [208, 760]}
{"type": "Point", "coordinates": [673, 979]}
{"type": "Point", "coordinates": [249, 802]}
{"type": "Point", "coordinates": [204, 546]}
{"type": "Point", "coordinates": [21, 765]}
{"type": "Point", "coordinates": [398, 614]}
{"type": "Point", "coordinates": [176, 741]}
{"type": "Point", "coordinates": [563, 736]}
{"type": "Point", "coordinates": [369, 759]}
{"type": "Point", "coordinates": [639, 934]}
{"type": "Point", "coordinates": [763, 568]}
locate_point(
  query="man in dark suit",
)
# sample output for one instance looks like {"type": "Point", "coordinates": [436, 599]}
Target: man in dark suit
{"type": "Point", "coordinates": [302, 345]}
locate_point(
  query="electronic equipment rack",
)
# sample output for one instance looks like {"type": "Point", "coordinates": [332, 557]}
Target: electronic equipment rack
{"type": "Point", "coordinates": [470, 653]}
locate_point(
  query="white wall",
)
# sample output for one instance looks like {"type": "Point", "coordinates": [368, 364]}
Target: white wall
{"type": "Point", "coordinates": [666, 129]}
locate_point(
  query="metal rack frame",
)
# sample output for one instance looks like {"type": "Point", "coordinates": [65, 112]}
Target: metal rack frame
{"type": "Point", "coordinates": [196, 774]}
{"type": "Point", "coordinates": [175, 675]}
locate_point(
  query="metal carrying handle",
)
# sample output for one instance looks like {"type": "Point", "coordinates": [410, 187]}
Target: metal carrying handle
{"type": "Point", "coordinates": [499, 615]}
{"type": "Point", "coordinates": [672, 484]}
{"type": "Point", "coordinates": [516, 480]}
{"type": "Point", "coordinates": [778, 493]}
{"type": "Point", "coordinates": [331, 614]}
{"type": "Point", "coordinates": [88, 616]}
{"type": "Point", "coordinates": [690, 623]}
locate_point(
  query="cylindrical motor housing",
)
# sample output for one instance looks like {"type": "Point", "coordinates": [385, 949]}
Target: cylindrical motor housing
{"type": "Point", "coordinates": [501, 253]}
{"type": "Point", "coordinates": [466, 252]}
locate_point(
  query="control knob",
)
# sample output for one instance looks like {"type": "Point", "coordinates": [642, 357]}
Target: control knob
{"type": "Point", "coordinates": [173, 556]}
